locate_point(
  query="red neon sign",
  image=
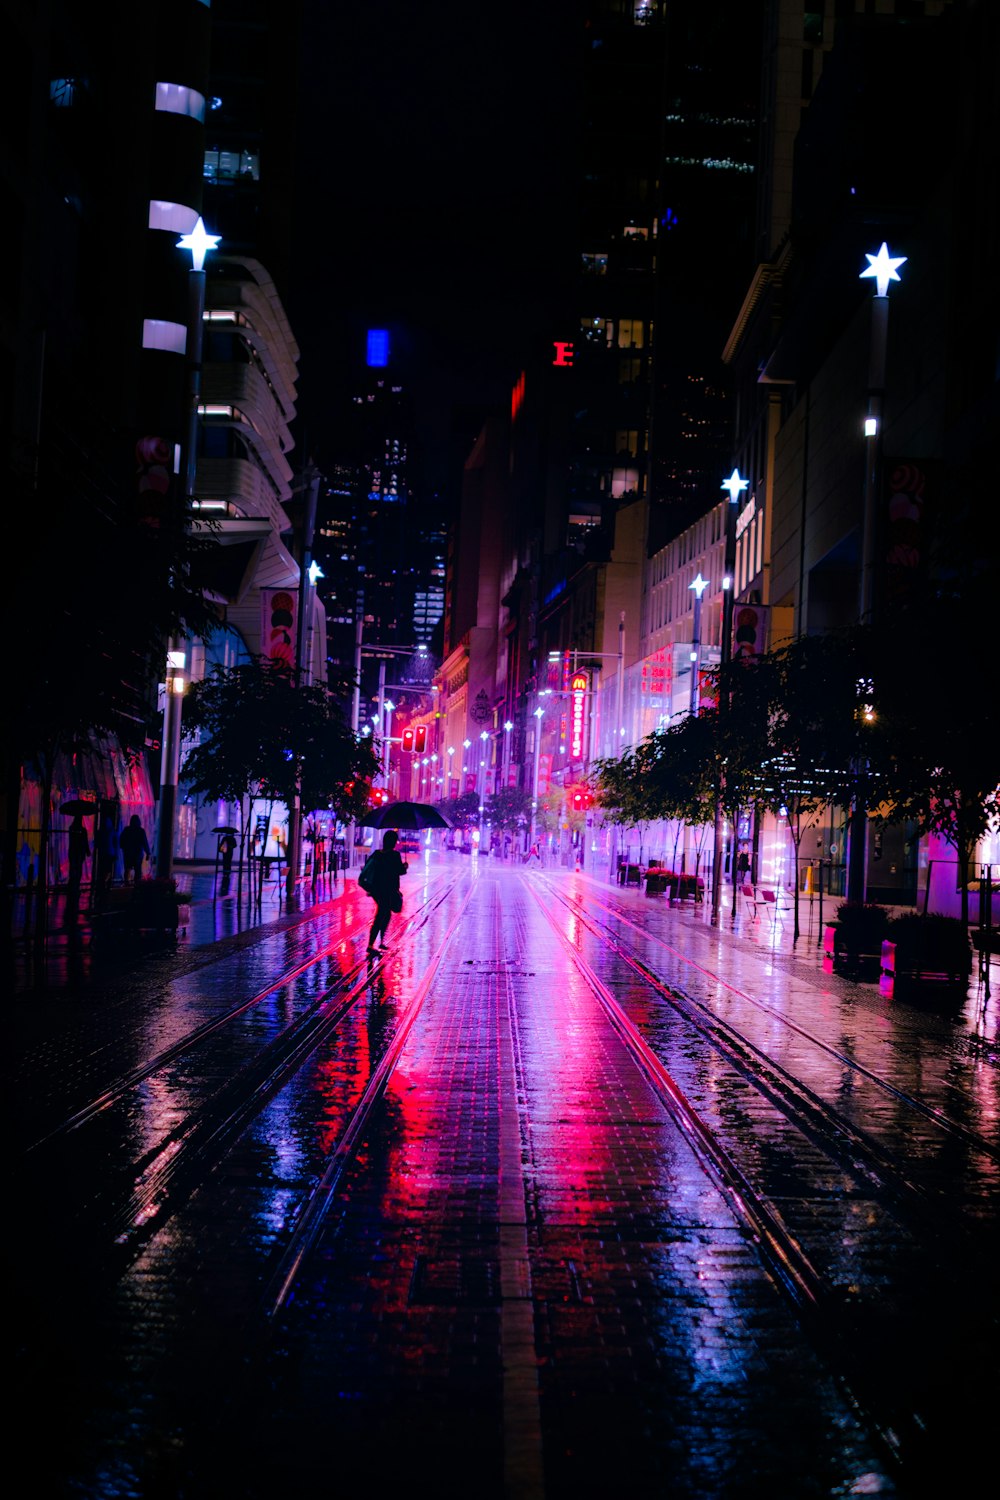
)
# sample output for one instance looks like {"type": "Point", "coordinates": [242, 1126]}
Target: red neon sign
{"type": "Point", "coordinates": [564, 354]}
{"type": "Point", "coordinates": [517, 397]}
{"type": "Point", "coordinates": [577, 722]}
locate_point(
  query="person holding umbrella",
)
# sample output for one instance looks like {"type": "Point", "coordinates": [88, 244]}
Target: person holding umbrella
{"type": "Point", "coordinates": [380, 879]}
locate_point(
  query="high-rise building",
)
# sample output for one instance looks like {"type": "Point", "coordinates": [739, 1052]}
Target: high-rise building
{"type": "Point", "coordinates": [380, 542]}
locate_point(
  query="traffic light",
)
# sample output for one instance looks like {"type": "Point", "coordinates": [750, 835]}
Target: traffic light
{"type": "Point", "coordinates": [420, 739]}
{"type": "Point", "coordinates": [408, 739]}
{"type": "Point", "coordinates": [378, 796]}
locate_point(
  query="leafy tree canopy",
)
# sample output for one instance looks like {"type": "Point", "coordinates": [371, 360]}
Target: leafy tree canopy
{"type": "Point", "coordinates": [263, 736]}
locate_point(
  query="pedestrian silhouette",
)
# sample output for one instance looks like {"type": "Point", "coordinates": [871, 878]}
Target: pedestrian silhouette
{"type": "Point", "coordinates": [135, 847]}
{"type": "Point", "coordinates": [380, 879]}
{"type": "Point", "coordinates": [227, 848]}
{"type": "Point", "coordinates": [79, 850]}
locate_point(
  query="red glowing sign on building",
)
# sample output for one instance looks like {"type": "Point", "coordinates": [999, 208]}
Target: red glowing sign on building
{"type": "Point", "coordinates": [564, 354]}
{"type": "Point", "coordinates": [657, 672]}
{"type": "Point", "coordinates": [578, 718]}
{"type": "Point", "coordinates": [517, 397]}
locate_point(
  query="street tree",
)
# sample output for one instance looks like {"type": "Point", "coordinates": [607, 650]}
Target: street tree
{"type": "Point", "coordinates": [619, 787]}
{"type": "Point", "coordinates": [262, 737]}
{"type": "Point", "coordinates": [798, 732]}
{"type": "Point", "coordinates": [509, 809]}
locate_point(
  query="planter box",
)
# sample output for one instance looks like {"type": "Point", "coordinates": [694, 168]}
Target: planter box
{"type": "Point", "coordinates": [902, 977]}
{"type": "Point", "coordinates": [133, 910]}
{"type": "Point", "coordinates": [837, 955]}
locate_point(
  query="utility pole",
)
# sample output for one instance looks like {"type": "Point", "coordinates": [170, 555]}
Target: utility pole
{"type": "Point", "coordinates": [735, 485]}
{"type": "Point", "coordinates": [199, 243]}
{"type": "Point", "coordinates": [303, 673]}
{"type": "Point", "coordinates": [882, 268]}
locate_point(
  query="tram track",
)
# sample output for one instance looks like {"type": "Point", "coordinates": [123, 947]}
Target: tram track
{"type": "Point", "coordinates": [672, 993]}
{"type": "Point", "coordinates": [845, 1330]}
{"type": "Point", "coordinates": [147, 1191]}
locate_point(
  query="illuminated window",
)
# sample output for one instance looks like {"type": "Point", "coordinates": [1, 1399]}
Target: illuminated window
{"type": "Point", "coordinates": [232, 166]}
{"type": "Point", "coordinates": [627, 441]}
{"type": "Point", "coordinates": [597, 331]}
{"type": "Point", "coordinates": [624, 482]}
{"type": "Point", "coordinates": [629, 369]}
{"type": "Point", "coordinates": [594, 265]}
{"type": "Point", "coordinates": [177, 99]}
{"type": "Point", "coordinates": [636, 232]}
{"type": "Point", "coordinates": [176, 217]}
{"type": "Point", "coordinates": [643, 12]}
{"type": "Point", "coordinates": [631, 333]}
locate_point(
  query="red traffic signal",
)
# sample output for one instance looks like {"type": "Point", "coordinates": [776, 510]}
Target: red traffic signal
{"type": "Point", "coordinates": [420, 739]}
{"type": "Point", "coordinates": [378, 796]}
{"type": "Point", "coordinates": [407, 739]}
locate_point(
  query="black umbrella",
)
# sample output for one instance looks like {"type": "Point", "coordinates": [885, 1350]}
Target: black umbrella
{"type": "Point", "coordinates": [404, 815]}
{"type": "Point", "coordinates": [225, 828]}
{"type": "Point", "coordinates": [77, 805]}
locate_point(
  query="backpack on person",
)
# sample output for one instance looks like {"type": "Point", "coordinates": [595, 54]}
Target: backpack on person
{"type": "Point", "coordinates": [367, 878]}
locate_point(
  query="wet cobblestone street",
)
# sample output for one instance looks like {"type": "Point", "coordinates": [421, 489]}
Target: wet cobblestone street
{"type": "Point", "coordinates": [565, 1193]}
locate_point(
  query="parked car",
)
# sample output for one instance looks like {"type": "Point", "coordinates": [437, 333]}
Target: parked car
{"type": "Point", "coordinates": [408, 845]}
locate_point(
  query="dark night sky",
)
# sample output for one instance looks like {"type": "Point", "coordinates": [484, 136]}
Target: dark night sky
{"type": "Point", "coordinates": [435, 177]}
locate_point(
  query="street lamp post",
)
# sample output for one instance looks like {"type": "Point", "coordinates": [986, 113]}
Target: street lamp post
{"type": "Point", "coordinates": [199, 243]}
{"type": "Point", "coordinates": [699, 586]}
{"type": "Point", "coordinates": [882, 268]}
{"type": "Point", "coordinates": [483, 737]}
{"type": "Point", "coordinates": [734, 485]}
{"type": "Point", "coordinates": [538, 715]}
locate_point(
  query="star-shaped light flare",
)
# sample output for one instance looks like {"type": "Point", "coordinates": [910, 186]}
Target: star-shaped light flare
{"type": "Point", "coordinates": [735, 485]}
{"type": "Point", "coordinates": [883, 267]}
{"type": "Point", "coordinates": [199, 243]}
{"type": "Point", "coordinates": [700, 585]}
{"type": "Point", "coordinates": [315, 571]}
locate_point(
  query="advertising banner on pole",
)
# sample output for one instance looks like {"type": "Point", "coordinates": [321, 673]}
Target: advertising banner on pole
{"type": "Point", "coordinates": [277, 624]}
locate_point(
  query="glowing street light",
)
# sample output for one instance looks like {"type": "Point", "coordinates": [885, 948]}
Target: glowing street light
{"type": "Point", "coordinates": [882, 267]}
{"type": "Point", "coordinates": [199, 242]}
{"type": "Point", "coordinates": [735, 486]}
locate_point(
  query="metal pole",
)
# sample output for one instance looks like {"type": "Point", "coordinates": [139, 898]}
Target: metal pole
{"type": "Point", "coordinates": [695, 653]}
{"type": "Point", "coordinates": [538, 716]}
{"type": "Point", "coordinates": [303, 675]}
{"type": "Point", "coordinates": [620, 697]}
{"type": "Point", "coordinates": [381, 720]}
{"type": "Point", "coordinates": [359, 626]}
{"type": "Point", "coordinates": [170, 748]}
{"type": "Point", "coordinates": [857, 839]}
{"type": "Point", "coordinates": [725, 656]}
